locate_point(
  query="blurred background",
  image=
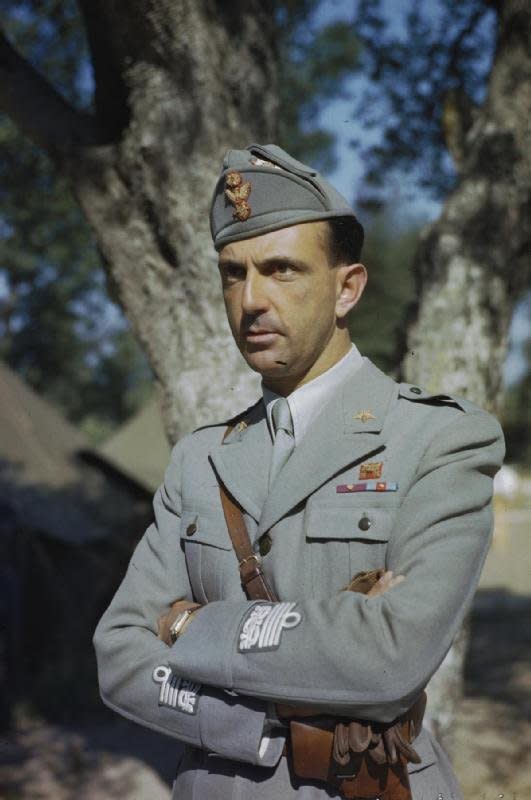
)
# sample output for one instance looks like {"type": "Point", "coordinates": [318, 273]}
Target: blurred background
{"type": "Point", "coordinates": [112, 331]}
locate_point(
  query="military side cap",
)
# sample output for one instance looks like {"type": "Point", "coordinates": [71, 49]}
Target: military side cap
{"type": "Point", "coordinates": [262, 189]}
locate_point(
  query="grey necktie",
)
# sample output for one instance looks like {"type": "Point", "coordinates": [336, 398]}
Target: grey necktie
{"type": "Point", "coordinates": [284, 438]}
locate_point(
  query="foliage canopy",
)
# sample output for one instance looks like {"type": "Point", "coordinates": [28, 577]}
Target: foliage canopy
{"type": "Point", "coordinates": [418, 80]}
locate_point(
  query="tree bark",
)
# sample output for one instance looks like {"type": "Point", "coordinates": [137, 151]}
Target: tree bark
{"type": "Point", "coordinates": [198, 78]}
{"type": "Point", "coordinates": [473, 262]}
{"type": "Point", "coordinates": [178, 82]}
{"type": "Point", "coordinates": [471, 266]}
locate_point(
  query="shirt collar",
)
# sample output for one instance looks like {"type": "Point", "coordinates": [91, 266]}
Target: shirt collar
{"type": "Point", "coordinates": [307, 401]}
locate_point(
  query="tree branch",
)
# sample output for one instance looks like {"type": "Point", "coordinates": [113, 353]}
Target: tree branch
{"type": "Point", "coordinates": [110, 95]}
{"type": "Point", "coordinates": [455, 47]}
{"type": "Point", "coordinates": [39, 111]}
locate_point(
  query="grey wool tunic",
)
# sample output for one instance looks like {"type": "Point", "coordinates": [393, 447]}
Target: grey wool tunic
{"type": "Point", "coordinates": [428, 516]}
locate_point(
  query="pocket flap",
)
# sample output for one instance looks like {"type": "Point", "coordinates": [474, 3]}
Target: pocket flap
{"type": "Point", "coordinates": [361, 522]}
{"type": "Point", "coordinates": [201, 528]}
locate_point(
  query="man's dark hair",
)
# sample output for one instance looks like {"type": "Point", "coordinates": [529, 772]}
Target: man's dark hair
{"type": "Point", "coordinates": [345, 240]}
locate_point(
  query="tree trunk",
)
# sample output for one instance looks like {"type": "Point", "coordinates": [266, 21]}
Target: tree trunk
{"type": "Point", "coordinates": [178, 82]}
{"type": "Point", "coordinates": [472, 264]}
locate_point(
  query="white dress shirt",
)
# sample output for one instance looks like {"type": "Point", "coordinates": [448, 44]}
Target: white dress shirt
{"type": "Point", "coordinates": [307, 401]}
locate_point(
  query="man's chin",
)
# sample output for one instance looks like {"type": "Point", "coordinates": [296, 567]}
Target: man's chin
{"type": "Point", "coordinates": [269, 365]}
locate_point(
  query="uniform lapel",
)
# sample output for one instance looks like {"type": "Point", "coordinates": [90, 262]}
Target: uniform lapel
{"type": "Point", "coordinates": [242, 460]}
{"type": "Point", "coordinates": [347, 430]}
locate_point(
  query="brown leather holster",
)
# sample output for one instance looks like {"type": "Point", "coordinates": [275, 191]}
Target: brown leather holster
{"type": "Point", "coordinates": [360, 758]}
{"type": "Point", "coordinates": [365, 773]}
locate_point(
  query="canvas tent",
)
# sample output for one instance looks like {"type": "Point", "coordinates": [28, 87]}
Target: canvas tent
{"type": "Point", "coordinates": [139, 448]}
{"type": "Point", "coordinates": [44, 478]}
{"type": "Point", "coordinates": [68, 524]}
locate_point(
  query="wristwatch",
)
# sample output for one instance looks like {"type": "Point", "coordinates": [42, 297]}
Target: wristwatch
{"type": "Point", "coordinates": [180, 622]}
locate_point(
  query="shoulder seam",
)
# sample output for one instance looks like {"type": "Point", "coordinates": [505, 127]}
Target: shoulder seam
{"type": "Point", "coordinates": [476, 413]}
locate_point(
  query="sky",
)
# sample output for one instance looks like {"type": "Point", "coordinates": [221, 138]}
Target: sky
{"type": "Point", "coordinates": [417, 206]}
{"type": "Point", "coordinates": [339, 119]}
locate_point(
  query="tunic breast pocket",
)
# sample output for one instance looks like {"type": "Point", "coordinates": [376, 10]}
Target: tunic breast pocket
{"type": "Point", "coordinates": [208, 553]}
{"type": "Point", "coordinates": [344, 540]}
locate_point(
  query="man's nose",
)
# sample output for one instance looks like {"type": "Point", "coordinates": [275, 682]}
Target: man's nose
{"type": "Point", "coordinates": [254, 298]}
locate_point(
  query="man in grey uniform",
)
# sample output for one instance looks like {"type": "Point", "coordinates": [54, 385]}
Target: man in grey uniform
{"type": "Point", "coordinates": [337, 469]}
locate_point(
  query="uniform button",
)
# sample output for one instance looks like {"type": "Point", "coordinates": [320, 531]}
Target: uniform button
{"type": "Point", "coordinates": [415, 390]}
{"type": "Point", "coordinates": [191, 529]}
{"type": "Point", "coordinates": [265, 544]}
{"type": "Point", "coordinates": [364, 524]}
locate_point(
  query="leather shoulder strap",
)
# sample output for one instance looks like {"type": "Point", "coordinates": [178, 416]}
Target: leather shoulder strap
{"type": "Point", "coordinates": [254, 582]}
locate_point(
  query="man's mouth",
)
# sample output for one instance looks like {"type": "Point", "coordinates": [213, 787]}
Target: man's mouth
{"type": "Point", "coordinates": [260, 335]}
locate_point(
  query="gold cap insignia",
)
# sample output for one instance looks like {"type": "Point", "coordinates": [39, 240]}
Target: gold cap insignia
{"type": "Point", "coordinates": [364, 416]}
{"type": "Point", "coordinates": [237, 193]}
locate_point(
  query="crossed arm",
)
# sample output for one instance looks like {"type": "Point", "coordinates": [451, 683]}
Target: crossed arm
{"type": "Point", "coordinates": [439, 544]}
{"type": "Point", "coordinates": [179, 608]}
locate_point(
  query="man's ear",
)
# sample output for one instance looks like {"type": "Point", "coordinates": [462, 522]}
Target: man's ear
{"type": "Point", "coordinates": [351, 281]}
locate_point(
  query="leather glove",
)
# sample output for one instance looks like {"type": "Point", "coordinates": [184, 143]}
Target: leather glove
{"type": "Point", "coordinates": [383, 746]}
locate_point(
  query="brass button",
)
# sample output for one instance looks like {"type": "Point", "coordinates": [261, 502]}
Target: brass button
{"type": "Point", "coordinates": [265, 544]}
{"type": "Point", "coordinates": [191, 529]}
{"type": "Point", "coordinates": [415, 390]}
{"type": "Point", "coordinates": [364, 524]}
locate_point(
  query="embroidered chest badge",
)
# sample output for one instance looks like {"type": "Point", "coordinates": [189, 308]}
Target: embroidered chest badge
{"type": "Point", "coordinates": [175, 692]}
{"type": "Point", "coordinates": [237, 192]}
{"type": "Point", "coordinates": [370, 470]}
{"type": "Point", "coordinates": [263, 625]}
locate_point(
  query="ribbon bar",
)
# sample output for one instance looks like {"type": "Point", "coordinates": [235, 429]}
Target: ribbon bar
{"type": "Point", "coordinates": [367, 486]}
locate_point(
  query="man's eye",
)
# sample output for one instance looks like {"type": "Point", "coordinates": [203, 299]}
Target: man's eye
{"type": "Point", "coordinates": [233, 274]}
{"type": "Point", "coordinates": [284, 270]}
